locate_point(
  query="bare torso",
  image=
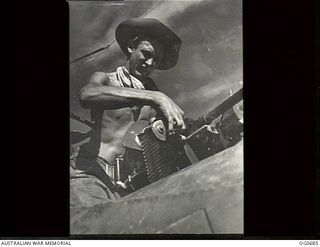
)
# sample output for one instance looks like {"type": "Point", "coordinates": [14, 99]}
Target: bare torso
{"type": "Point", "coordinates": [112, 125]}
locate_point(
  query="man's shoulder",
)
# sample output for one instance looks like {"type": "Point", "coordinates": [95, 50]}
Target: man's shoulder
{"type": "Point", "coordinates": [106, 78]}
{"type": "Point", "coordinates": [99, 77]}
{"type": "Point", "coordinates": [112, 79]}
{"type": "Point", "coordinates": [111, 75]}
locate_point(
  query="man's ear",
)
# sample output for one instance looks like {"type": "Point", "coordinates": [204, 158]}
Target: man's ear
{"type": "Point", "coordinates": [130, 44]}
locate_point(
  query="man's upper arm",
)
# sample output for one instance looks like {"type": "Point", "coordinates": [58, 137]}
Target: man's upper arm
{"type": "Point", "coordinates": [98, 79]}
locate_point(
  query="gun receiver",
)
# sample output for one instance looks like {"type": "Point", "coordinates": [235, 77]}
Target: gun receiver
{"type": "Point", "coordinates": [152, 154]}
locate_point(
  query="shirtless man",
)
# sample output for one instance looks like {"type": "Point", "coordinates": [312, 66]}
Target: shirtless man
{"type": "Point", "coordinates": [120, 98]}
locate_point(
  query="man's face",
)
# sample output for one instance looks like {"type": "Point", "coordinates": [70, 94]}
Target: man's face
{"type": "Point", "coordinates": [145, 58]}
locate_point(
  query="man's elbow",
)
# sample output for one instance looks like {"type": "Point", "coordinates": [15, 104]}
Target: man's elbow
{"type": "Point", "coordinates": [85, 98]}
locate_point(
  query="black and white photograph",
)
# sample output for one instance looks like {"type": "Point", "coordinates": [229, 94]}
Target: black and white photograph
{"type": "Point", "coordinates": [156, 117]}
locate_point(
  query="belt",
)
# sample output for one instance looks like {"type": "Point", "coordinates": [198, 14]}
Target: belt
{"type": "Point", "coordinates": [107, 167]}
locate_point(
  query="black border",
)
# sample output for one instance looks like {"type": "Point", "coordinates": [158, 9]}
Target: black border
{"type": "Point", "coordinates": [36, 172]}
{"type": "Point", "coordinates": [280, 122]}
{"type": "Point", "coordinates": [280, 127]}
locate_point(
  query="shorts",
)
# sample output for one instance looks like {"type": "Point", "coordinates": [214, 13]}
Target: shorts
{"type": "Point", "coordinates": [87, 189]}
{"type": "Point", "coordinates": [89, 183]}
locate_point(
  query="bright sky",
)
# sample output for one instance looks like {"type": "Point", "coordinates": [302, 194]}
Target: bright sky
{"type": "Point", "coordinates": [210, 61]}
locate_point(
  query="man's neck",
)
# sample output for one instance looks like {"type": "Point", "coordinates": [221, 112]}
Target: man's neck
{"type": "Point", "coordinates": [127, 67]}
{"type": "Point", "coordinates": [140, 78]}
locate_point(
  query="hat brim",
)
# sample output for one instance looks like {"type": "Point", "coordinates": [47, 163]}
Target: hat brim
{"type": "Point", "coordinates": [151, 28]}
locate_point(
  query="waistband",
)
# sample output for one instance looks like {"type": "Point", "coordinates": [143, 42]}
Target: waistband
{"type": "Point", "coordinates": [108, 167]}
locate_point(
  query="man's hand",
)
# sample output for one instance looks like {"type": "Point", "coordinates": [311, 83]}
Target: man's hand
{"type": "Point", "coordinates": [171, 111]}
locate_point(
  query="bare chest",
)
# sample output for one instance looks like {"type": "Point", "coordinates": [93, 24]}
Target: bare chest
{"type": "Point", "coordinates": [127, 115]}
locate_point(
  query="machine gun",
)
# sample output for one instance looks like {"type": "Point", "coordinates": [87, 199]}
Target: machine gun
{"type": "Point", "coordinates": [152, 154]}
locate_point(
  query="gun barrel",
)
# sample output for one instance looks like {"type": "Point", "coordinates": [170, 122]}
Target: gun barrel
{"type": "Point", "coordinates": [223, 107]}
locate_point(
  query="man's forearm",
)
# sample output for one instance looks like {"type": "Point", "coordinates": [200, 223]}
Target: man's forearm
{"type": "Point", "coordinates": [109, 98]}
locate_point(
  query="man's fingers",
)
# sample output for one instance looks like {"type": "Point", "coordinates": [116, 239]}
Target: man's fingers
{"type": "Point", "coordinates": [152, 120]}
{"type": "Point", "coordinates": [179, 121]}
{"type": "Point", "coordinates": [170, 124]}
{"type": "Point", "coordinates": [183, 125]}
{"type": "Point", "coordinates": [181, 112]}
{"type": "Point", "coordinates": [174, 116]}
